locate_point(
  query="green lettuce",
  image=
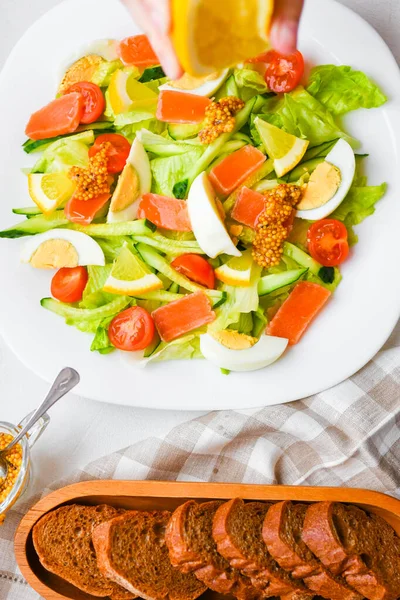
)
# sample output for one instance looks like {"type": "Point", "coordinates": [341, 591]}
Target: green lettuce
{"type": "Point", "coordinates": [72, 151]}
{"type": "Point", "coordinates": [101, 341]}
{"type": "Point", "coordinates": [302, 115]}
{"type": "Point", "coordinates": [93, 295]}
{"type": "Point", "coordinates": [162, 146]}
{"type": "Point", "coordinates": [105, 70]}
{"type": "Point", "coordinates": [133, 117]}
{"type": "Point", "coordinates": [250, 83]}
{"type": "Point", "coordinates": [170, 170]}
{"type": "Point", "coordinates": [341, 89]}
{"type": "Point", "coordinates": [184, 348]}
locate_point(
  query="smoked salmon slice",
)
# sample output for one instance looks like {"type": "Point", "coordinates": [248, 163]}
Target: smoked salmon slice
{"type": "Point", "coordinates": [179, 107]}
{"type": "Point", "coordinates": [248, 207]}
{"type": "Point", "coordinates": [235, 168]}
{"type": "Point", "coordinates": [298, 311]}
{"type": "Point", "coordinates": [84, 211]}
{"type": "Point", "coordinates": [137, 51]}
{"type": "Point", "coordinates": [61, 116]}
{"type": "Point", "coordinates": [178, 318]}
{"type": "Point", "coordinates": [165, 212]}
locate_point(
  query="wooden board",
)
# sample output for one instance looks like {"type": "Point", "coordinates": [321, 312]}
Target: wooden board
{"type": "Point", "coordinates": [157, 495]}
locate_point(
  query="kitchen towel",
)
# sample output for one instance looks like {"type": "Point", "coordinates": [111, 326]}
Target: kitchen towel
{"type": "Point", "coordinates": [346, 436]}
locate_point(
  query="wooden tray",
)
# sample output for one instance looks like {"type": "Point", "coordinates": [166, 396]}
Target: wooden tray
{"type": "Point", "coordinates": [155, 495]}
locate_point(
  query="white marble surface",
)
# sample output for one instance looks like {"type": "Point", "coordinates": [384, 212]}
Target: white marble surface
{"type": "Point", "coordinates": [82, 430]}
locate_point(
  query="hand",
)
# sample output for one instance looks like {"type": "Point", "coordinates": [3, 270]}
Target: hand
{"type": "Point", "coordinates": [154, 17]}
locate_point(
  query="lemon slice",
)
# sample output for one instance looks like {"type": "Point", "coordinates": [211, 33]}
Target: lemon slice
{"type": "Point", "coordinates": [49, 191]}
{"type": "Point", "coordinates": [286, 149]}
{"type": "Point", "coordinates": [130, 276]}
{"type": "Point", "coordinates": [210, 35]}
{"type": "Point", "coordinates": [126, 93]}
{"type": "Point", "coordinates": [237, 271]}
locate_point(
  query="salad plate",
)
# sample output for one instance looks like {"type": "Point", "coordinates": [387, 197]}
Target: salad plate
{"type": "Point", "coordinates": [350, 330]}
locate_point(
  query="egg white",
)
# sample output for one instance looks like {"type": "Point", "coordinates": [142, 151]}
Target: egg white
{"type": "Point", "coordinates": [88, 250]}
{"type": "Point", "coordinates": [208, 88]}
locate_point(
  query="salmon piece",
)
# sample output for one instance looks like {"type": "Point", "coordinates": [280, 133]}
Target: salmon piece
{"type": "Point", "coordinates": [84, 211]}
{"type": "Point", "coordinates": [137, 51]}
{"type": "Point", "coordinates": [248, 207]}
{"type": "Point", "coordinates": [61, 116]}
{"type": "Point", "coordinates": [298, 311]}
{"type": "Point", "coordinates": [186, 314]}
{"type": "Point", "coordinates": [235, 168]}
{"type": "Point", "coordinates": [165, 212]}
{"type": "Point", "coordinates": [179, 107]}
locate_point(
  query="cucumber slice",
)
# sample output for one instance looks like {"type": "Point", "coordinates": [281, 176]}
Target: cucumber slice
{"type": "Point", "coordinates": [168, 246]}
{"type": "Point", "coordinates": [270, 283]}
{"type": "Point", "coordinates": [229, 88]}
{"type": "Point", "coordinates": [174, 288]}
{"type": "Point", "coordinates": [28, 211]}
{"type": "Point", "coordinates": [301, 257]}
{"type": "Point", "coordinates": [160, 296]}
{"type": "Point", "coordinates": [183, 131]}
{"type": "Point", "coordinates": [140, 227]}
{"type": "Point", "coordinates": [153, 346]}
{"type": "Point", "coordinates": [304, 168]}
{"type": "Point", "coordinates": [38, 224]}
{"type": "Point", "coordinates": [85, 134]}
{"type": "Point", "coordinates": [69, 312]}
{"type": "Point", "coordinates": [221, 301]}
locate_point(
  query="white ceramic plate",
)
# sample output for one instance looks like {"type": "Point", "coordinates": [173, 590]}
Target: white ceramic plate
{"type": "Point", "coordinates": [350, 330]}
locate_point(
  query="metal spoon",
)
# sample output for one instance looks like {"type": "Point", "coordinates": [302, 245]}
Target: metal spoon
{"type": "Point", "coordinates": [66, 380]}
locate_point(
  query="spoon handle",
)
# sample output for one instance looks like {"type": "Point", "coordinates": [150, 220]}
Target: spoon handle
{"type": "Point", "coordinates": [66, 380]}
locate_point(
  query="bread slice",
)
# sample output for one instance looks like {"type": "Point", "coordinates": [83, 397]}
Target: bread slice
{"type": "Point", "coordinates": [193, 549]}
{"type": "Point", "coordinates": [361, 547]}
{"type": "Point", "coordinates": [237, 530]}
{"type": "Point", "coordinates": [132, 552]}
{"type": "Point", "coordinates": [283, 526]}
{"type": "Point", "coordinates": [63, 541]}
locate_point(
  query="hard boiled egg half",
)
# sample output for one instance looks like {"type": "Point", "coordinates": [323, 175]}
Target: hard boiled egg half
{"type": "Point", "coordinates": [61, 248]}
{"type": "Point", "coordinates": [201, 86]}
{"type": "Point", "coordinates": [207, 224]}
{"type": "Point", "coordinates": [329, 184]}
{"type": "Point", "coordinates": [134, 181]}
{"type": "Point", "coordinates": [238, 352]}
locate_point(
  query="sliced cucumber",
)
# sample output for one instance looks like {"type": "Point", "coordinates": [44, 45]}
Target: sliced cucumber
{"type": "Point", "coordinates": [69, 312]}
{"type": "Point", "coordinates": [34, 225]}
{"type": "Point", "coordinates": [28, 211]}
{"type": "Point", "coordinates": [183, 131]}
{"type": "Point", "coordinates": [270, 283]}
{"type": "Point", "coordinates": [164, 244]}
{"type": "Point", "coordinates": [301, 257]}
{"type": "Point", "coordinates": [305, 168]}
{"type": "Point", "coordinates": [174, 288]}
{"type": "Point", "coordinates": [228, 88]}
{"type": "Point", "coordinates": [140, 227]}
{"type": "Point", "coordinates": [319, 151]}
{"type": "Point", "coordinates": [221, 301]}
{"type": "Point", "coordinates": [155, 260]}
{"type": "Point", "coordinates": [31, 146]}
{"type": "Point", "coordinates": [153, 346]}
{"type": "Point", "coordinates": [160, 296]}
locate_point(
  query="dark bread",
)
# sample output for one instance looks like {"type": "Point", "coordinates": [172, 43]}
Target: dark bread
{"type": "Point", "coordinates": [361, 547]}
{"type": "Point", "coordinates": [63, 541]}
{"type": "Point", "coordinates": [237, 530]}
{"type": "Point", "coordinates": [193, 549]}
{"type": "Point", "coordinates": [282, 530]}
{"type": "Point", "coordinates": [132, 552]}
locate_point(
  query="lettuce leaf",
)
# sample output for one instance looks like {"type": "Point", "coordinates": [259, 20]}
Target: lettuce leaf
{"type": "Point", "coordinates": [103, 73]}
{"type": "Point", "coordinates": [93, 295]}
{"type": "Point", "coordinates": [250, 83]}
{"type": "Point", "coordinates": [101, 342]}
{"type": "Point", "coordinates": [171, 170]}
{"type": "Point", "coordinates": [72, 151]}
{"type": "Point", "coordinates": [358, 205]}
{"type": "Point", "coordinates": [302, 115]}
{"type": "Point", "coordinates": [184, 348]}
{"type": "Point", "coordinates": [341, 89]}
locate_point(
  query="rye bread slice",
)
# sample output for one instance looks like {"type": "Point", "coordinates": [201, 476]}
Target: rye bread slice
{"type": "Point", "coordinates": [237, 530]}
{"type": "Point", "coordinates": [361, 547]}
{"type": "Point", "coordinates": [132, 552]}
{"type": "Point", "coordinates": [283, 526]}
{"type": "Point", "coordinates": [193, 549]}
{"type": "Point", "coordinates": [63, 541]}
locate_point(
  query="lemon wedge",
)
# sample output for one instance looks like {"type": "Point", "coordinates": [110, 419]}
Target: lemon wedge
{"type": "Point", "coordinates": [209, 35]}
{"type": "Point", "coordinates": [237, 271]}
{"type": "Point", "coordinates": [285, 149]}
{"type": "Point", "coordinates": [51, 190]}
{"type": "Point", "coordinates": [130, 276]}
{"type": "Point", "coordinates": [126, 93]}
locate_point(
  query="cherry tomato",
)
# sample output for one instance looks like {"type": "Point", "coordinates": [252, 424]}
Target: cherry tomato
{"type": "Point", "coordinates": [84, 211]}
{"type": "Point", "coordinates": [327, 242]}
{"type": "Point", "coordinates": [93, 100]}
{"type": "Point", "coordinates": [68, 284]}
{"type": "Point", "coordinates": [118, 153]}
{"type": "Point", "coordinates": [195, 268]}
{"type": "Point", "coordinates": [283, 73]}
{"type": "Point", "coordinates": [133, 329]}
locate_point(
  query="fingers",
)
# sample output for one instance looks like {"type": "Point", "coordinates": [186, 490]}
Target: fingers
{"type": "Point", "coordinates": [285, 24]}
{"type": "Point", "coordinates": [153, 16]}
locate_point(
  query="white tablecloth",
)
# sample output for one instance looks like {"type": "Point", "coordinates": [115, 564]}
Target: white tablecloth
{"type": "Point", "coordinates": [82, 430]}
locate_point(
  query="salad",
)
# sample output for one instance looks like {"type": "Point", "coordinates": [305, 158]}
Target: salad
{"type": "Point", "coordinates": [205, 217]}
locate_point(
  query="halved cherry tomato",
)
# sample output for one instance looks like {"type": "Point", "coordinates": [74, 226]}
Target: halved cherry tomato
{"type": "Point", "coordinates": [84, 211]}
{"type": "Point", "coordinates": [283, 73]}
{"type": "Point", "coordinates": [68, 284]}
{"type": "Point", "coordinates": [137, 50]}
{"type": "Point", "coordinates": [93, 100]}
{"type": "Point", "coordinates": [117, 155]}
{"type": "Point", "coordinates": [133, 329]}
{"type": "Point", "coordinates": [195, 268]}
{"type": "Point", "coordinates": [327, 242]}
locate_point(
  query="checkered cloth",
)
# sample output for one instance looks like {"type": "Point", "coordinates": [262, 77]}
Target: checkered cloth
{"type": "Point", "coordinates": [346, 436]}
